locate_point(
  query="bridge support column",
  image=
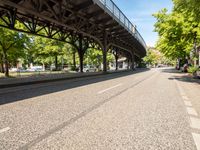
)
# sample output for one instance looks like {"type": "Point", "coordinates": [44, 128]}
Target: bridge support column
{"type": "Point", "coordinates": [81, 61]}
{"type": "Point", "coordinates": [116, 60]}
{"type": "Point", "coordinates": [128, 61]}
{"type": "Point", "coordinates": [81, 52]}
{"type": "Point", "coordinates": [133, 62]}
{"type": "Point", "coordinates": [105, 52]}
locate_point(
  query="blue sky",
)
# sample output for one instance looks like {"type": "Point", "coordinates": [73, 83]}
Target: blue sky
{"type": "Point", "coordinates": [140, 13]}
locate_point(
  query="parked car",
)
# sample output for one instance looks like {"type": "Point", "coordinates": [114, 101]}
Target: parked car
{"type": "Point", "coordinates": [20, 69]}
{"type": "Point", "coordinates": [35, 68]}
{"type": "Point", "coordinates": [160, 65]}
{"type": "Point", "coordinates": [89, 68]}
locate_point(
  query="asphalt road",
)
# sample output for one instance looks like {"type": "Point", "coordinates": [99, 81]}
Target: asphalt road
{"type": "Point", "coordinates": [145, 110]}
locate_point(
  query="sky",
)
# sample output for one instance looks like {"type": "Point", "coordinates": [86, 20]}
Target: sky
{"type": "Point", "coordinates": [139, 12]}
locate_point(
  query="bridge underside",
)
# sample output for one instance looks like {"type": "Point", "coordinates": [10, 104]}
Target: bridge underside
{"type": "Point", "coordinates": [71, 21]}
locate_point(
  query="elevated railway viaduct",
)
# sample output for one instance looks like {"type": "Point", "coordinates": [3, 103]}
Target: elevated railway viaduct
{"type": "Point", "coordinates": [98, 24]}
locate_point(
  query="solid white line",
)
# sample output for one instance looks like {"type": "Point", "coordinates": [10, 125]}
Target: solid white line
{"type": "Point", "coordinates": [195, 123]}
{"type": "Point", "coordinates": [196, 138]}
{"type": "Point", "coordinates": [4, 129]}
{"type": "Point", "coordinates": [191, 111]}
{"type": "Point", "coordinates": [188, 103]}
{"type": "Point", "coordinates": [103, 91]}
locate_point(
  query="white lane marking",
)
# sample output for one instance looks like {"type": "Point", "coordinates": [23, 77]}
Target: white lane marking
{"type": "Point", "coordinates": [188, 103]}
{"type": "Point", "coordinates": [103, 91]}
{"type": "Point", "coordinates": [191, 111]}
{"type": "Point", "coordinates": [196, 138]}
{"type": "Point", "coordinates": [195, 123]}
{"type": "Point", "coordinates": [4, 129]}
{"type": "Point", "coordinates": [181, 91]}
{"type": "Point", "coordinates": [185, 97]}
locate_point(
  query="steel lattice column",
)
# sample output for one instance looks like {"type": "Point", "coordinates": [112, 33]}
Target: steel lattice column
{"type": "Point", "coordinates": [133, 61]}
{"type": "Point", "coordinates": [105, 52]}
{"type": "Point", "coordinates": [116, 59]}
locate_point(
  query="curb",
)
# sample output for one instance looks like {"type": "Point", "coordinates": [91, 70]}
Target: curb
{"type": "Point", "coordinates": [57, 79]}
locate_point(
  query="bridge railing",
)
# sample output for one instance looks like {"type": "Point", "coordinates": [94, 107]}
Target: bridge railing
{"type": "Point", "coordinates": [122, 19]}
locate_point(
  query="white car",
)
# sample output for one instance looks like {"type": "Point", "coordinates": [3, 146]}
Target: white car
{"type": "Point", "coordinates": [89, 69]}
{"type": "Point", "coordinates": [35, 68]}
{"type": "Point", "coordinates": [20, 69]}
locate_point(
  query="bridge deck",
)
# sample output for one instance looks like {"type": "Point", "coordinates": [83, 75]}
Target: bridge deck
{"type": "Point", "coordinates": [97, 20]}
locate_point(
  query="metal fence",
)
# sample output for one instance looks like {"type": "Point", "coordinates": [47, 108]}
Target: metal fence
{"type": "Point", "coordinates": [119, 16]}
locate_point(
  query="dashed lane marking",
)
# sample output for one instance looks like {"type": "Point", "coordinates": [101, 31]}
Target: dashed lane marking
{"type": "Point", "coordinates": [191, 111]}
{"type": "Point", "coordinates": [196, 138]}
{"type": "Point", "coordinates": [194, 123]}
{"type": "Point", "coordinates": [4, 129]}
{"type": "Point", "coordinates": [188, 103]}
{"type": "Point", "coordinates": [103, 91]}
{"type": "Point", "coordinates": [184, 97]}
{"type": "Point", "coordinates": [82, 114]}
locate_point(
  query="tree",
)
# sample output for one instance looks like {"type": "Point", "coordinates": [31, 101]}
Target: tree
{"type": "Point", "coordinates": [189, 8]}
{"type": "Point", "coordinates": [175, 36]}
{"type": "Point", "coordinates": [93, 57]}
{"type": "Point", "coordinates": [11, 46]}
{"type": "Point", "coordinates": [153, 57]}
{"type": "Point", "coordinates": [47, 49]}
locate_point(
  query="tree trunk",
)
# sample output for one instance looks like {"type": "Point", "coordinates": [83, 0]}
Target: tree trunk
{"type": "Point", "coordinates": [6, 65]}
{"type": "Point", "coordinates": [74, 59]}
{"type": "Point", "coordinates": [1, 64]}
{"type": "Point", "coordinates": [1, 68]}
{"type": "Point", "coordinates": [81, 61]}
{"type": "Point", "coordinates": [56, 62]}
{"type": "Point", "coordinates": [43, 66]}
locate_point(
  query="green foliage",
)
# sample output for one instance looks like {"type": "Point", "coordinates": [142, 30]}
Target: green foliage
{"type": "Point", "coordinates": [45, 51]}
{"type": "Point", "coordinates": [12, 47]}
{"type": "Point", "coordinates": [18, 47]}
{"type": "Point", "coordinates": [188, 8]}
{"type": "Point", "coordinates": [154, 57]}
{"type": "Point", "coordinates": [178, 29]}
{"type": "Point", "coordinates": [151, 58]}
{"type": "Point", "coordinates": [193, 69]}
{"type": "Point", "coordinates": [93, 57]}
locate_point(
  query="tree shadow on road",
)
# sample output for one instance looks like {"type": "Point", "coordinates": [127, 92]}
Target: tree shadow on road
{"type": "Point", "coordinates": [57, 86]}
{"type": "Point", "coordinates": [187, 78]}
{"type": "Point", "coordinates": [170, 70]}
{"type": "Point", "coordinates": [180, 76]}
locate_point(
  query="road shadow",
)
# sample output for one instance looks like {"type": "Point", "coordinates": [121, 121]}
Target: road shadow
{"type": "Point", "coordinates": [170, 70]}
{"type": "Point", "coordinates": [183, 77]}
{"type": "Point", "coordinates": [57, 86]}
{"type": "Point", "coordinates": [187, 79]}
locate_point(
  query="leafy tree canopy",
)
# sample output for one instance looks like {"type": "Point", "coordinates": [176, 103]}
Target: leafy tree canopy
{"type": "Point", "coordinates": [178, 29]}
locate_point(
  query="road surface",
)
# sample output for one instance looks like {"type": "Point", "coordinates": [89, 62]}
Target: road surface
{"type": "Point", "coordinates": [144, 110]}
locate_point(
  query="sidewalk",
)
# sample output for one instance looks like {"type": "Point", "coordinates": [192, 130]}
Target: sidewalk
{"type": "Point", "coordinates": [44, 78]}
